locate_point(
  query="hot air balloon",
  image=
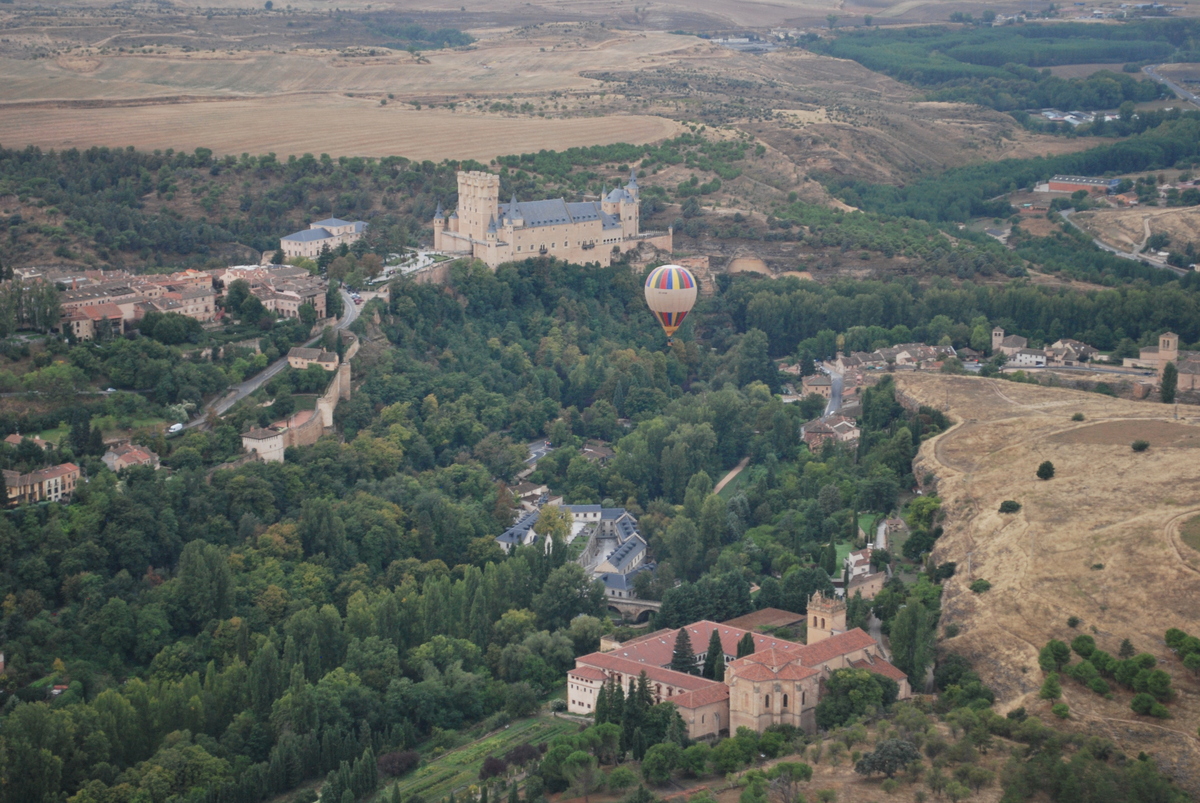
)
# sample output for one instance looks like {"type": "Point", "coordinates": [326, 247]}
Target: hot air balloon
{"type": "Point", "coordinates": [670, 295]}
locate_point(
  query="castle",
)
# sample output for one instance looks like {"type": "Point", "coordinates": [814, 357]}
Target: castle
{"type": "Point", "coordinates": [780, 683]}
{"type": "Point", "coordinates": [580, 232]}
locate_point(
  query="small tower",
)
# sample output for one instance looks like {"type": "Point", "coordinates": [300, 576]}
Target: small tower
{"type": "Point", "coordinates": [826, 617]}
{"type": "Point", "coordinates": [439, 225]}
{"type": "Point", "coordinates": [632, 186]}
{"type": "Point", "coordinates": [997, 339]}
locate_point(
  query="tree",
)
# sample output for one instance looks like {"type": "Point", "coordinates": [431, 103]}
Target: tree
{"type": "Point", "coordinates": [1170, 382]}
{"type": "Point", "coordinates": [745, 645]}
{"type": "Point", "coordinates": [1051, 688]}
{"type": "Point", "coordinates": [580, 770]}
{"type": "Point", "coordinates": [889, 757]}
{"type": "Point", "coordinates": [659, 762]}
{"type": "Point", "coordinates": [1054, 656]}
{"type": "Point", "coordinates": [854, 692]}
{"type": "Point", "coordinates": [714, 653]}
{"type": "Point", "coordinates": [1045, 471]}
{"type": "Point", "coordinates": [278, 257]}
{"type": "Point", "coordinates": [1126, 650]}
{"type": "Point", "coordinates": [832, 19]}
{"type": "Point", "coordinates": [683, 657]}
{"type": "Point", "coordinates": [913, 635]}
{"type": "Point", "coordinates": [567, 593]}
{"type": "Point", "coordinates": [207, 582]}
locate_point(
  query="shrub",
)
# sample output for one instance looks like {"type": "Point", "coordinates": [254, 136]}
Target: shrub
{"type": "Point", "coordinates": [1099, 686]}
{"type": "Point", "coordinates": [1140, 446]}
{"type": "Point", "coordinates": [952, 630]}
{"type": "Point", "coordinates": [1146, 705]}
{"type": "Point", "coordinates": [1009, 506]}
{"type": "Point", "coordinates": [1073, 622]}
{"type": "Point", "coordinates": [621, 778]}
{"type": "Point", "coordinates": [1077, 417]}
{"type": "Point", "coordinates": [1045, 471]}
{"type": "Point", "coordinates": [890, 786]}
{"type": "Point", "coordinates": [1083, 645]}
{"type": "Point", "coordinates": [980, 585]}
{"type": "Point", "coordinates": [522, 754]}
{"type": "Point", "coordinates": [1051, 689]}
{"type": "Point", "coordinates": [492, 767]}
{"type": "Point", "coordinates": [1054, 656]}
{"type": "Point", "coordinates": [1060, 710]}
{"type": "Point", "coordinates": [398, 762]}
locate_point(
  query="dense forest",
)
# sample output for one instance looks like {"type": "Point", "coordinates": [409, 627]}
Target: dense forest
{"type": "Point", "coordinates": [228, 636]}
{"type": "Point", "coordinates": [1005, 67]}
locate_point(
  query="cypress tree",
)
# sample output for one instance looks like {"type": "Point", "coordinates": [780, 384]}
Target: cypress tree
{"type": "Point", "coordinates": [719, 668]}
{"type": "Point", "coordinates": [483, 795]}
{"type": "Point", "coordinates": [715, 652]}
{"type": "Point", "coordinates": [830, 562]}
{"type": "Point", "coordinates": [746, 645]}
{"type": "Point", "coordinates": [601, 714]}
{"type": "Point", "coordinates": [513, 795]}
{"type": "Point", "coordinates": [616, 701]}
{"type": "Point", "coordinates": [639, 745]}
{"type": "Point", "coordinates": [683, 658]}
{"type": "Point", "coordinates": [1170, 382]}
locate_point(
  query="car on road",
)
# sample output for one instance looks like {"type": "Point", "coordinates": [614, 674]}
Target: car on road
{"type": "Point", "coordinates": [175, 428]}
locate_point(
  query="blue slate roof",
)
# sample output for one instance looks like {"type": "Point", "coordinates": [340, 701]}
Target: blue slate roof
{"type": "Point", "coordinates": [618, 195]}
{"type": "Point", "coordinates": [332, 221]}
{"type": "Point", "coordinates": [583, 508]}
{"type": "Point", "coordinates": [624, 554]}
{"type": "Point", "coordinates": [308, 235]}
{"type": "Point", "coordinates": [611, 513]}
{"type": "Point", "coordinates": [516, 534]}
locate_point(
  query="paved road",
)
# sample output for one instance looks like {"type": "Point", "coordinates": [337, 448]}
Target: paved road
{"type": "Point", "coordinates": [240, 391]}
{"type": "Point", "coordinates": [835, 393]}
{"type": "Point", "coordinates": [1066, 215]}
{"type": "Point", "coordinates": [1152, 71]}
{"type": "Point", "coordinates": [537, 450]}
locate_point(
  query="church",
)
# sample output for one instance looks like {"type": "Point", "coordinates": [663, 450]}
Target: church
{"type": "Point", "coordinates": [778, 684]}
{"type": "Point", "coordinates": [579, 232]}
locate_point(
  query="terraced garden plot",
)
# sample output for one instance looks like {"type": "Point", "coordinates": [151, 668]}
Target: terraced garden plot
{"type": "Point", "coordinates": [459, 768]}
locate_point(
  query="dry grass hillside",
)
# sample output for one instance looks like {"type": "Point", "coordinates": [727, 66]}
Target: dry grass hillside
{"type": "Point", "coordinates": [1128, 229]}
{"type": "Point", "coordinates": [1100, 541]}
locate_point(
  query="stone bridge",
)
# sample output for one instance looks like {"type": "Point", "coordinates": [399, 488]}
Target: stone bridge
{"type": "Point", "coordinates": [633, 610]}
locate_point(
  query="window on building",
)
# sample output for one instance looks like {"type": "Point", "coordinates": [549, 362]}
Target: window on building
{"type": "Point", "coordinates": [766, 701]}
{"type": "Point", "coordinates": [785, 701]}
{"type": "Point", "coordinates": [702, 719]}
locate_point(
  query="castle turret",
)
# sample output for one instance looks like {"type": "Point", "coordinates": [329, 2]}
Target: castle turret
{"type": "Point", "coordinates": [439, 226]}
{"type": "Point", "coordinates": [632, 186]}
{"type": "Point", "coordinates": [826, 617]}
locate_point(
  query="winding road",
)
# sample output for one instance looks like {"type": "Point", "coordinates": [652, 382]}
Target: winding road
{"type": "Point", "coordinates": [240, 391]}
{"type": "Point", "coordinates": [1066, 215]}
{"type": "Point", "coordinates": [1152, 71]}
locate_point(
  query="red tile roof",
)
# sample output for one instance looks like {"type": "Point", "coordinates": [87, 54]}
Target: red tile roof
{"type": "Point", "coordinates": [587, 673]}
{"type": "Point", "coordinates": [656, 649]}
{"type": "Point", "coordinates": [706, 696]}
{"type": "Point", "coordinates": [767, 617]}
{"type": "Point", "coordinates": [755, 672]}
{"type": "Point", "coordinates": [611, 662]}
{"type": "Point", "coordinates": [880, 667]}
{"type": "Point", "coordinates": [832, 647]}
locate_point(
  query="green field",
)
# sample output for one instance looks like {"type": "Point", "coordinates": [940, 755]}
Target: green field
{"type": "Point", "coordinates": [734, 485]}
{"type": "Point", "coordinates": [459, 768]}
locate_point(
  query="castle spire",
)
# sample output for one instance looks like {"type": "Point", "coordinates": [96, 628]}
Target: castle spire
{"type": "Point", "coordinates": [632, 178]}
{"type": "Point", "coordinates": [439, 213]}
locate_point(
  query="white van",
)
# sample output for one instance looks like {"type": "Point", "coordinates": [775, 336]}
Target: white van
{"type": "Point", "coordinates": [176, 428]}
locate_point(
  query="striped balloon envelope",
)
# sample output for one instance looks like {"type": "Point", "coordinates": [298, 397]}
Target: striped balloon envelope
{"type": "Point", "coordinates": [670, 295]}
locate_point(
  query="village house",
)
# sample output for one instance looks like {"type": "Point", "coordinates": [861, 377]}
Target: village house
{"type": "Point", "coordinates": [15, 439]}
{"type": "Point", "coordinates": [120, 457]}
{"type": "Point", "coordinates": [54, 484]}
{"type": "Point", "coordinates": [779, 684]}
{"type": "Point", "coordinates": [819, 384]}
{"type": "Point", "coordinates": [581, 232]}
{"type": "Point", "coordinates": [300, 358]}
{"type": "Point", "coordinates": [1027, 358]}
{"type": "Point", "coordinates": [282, 289]}
{"type": "Point", "coordinates": [329, 233]}
{"type": "Point", "coordinates": [858, 576]}
{"type": "Point", "coordinates": [834, 427]}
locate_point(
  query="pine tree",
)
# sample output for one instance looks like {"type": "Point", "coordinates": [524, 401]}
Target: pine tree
{"type": "Point", "coordinates": [683, 658]}
{"type": "Point", "coordinates": [719, 668]}
{"type": "Point", "coordinates": [513, 795]}
{"type": "Point", "coordinates": [746, 645]}
{"type": "Point", "coordinates": [829, 562]}
{"type": "Point", "coordinates": [1127, 650]}
{"type": "Point", "coordinates": [715, 652]}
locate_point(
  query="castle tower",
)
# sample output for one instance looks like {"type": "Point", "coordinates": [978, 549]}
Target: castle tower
{"type": "Point", "coordinates": [478, 202]}
{"type": "Point", "coordinates": [997, 339]}
{"type": "Point", "coordinates": [826, 616]}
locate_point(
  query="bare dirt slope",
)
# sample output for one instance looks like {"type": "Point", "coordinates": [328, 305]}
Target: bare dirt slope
{"type": "Point", "coordinates": [1099, 541]}
{"type": "Point", "coordinates": [1129, 228]}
